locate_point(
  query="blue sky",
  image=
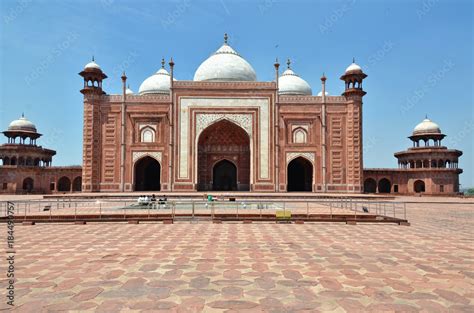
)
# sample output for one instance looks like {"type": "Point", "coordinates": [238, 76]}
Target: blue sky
{"type": "Point", "coordinates": [418, 55]}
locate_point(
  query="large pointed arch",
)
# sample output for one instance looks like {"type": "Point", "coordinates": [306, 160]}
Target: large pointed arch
{"type": "Point", "coordinates": [221, 140]}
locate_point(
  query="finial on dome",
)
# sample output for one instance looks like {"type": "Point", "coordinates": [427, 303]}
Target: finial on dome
{"type": "Point", "coordinates": [93, 59]}
{"type": "Point", "coordinates": [162, 62]}
{"type": "Point", "coordinates": [353, 59]}
{"type": "Point", "coordinates": [22, 114]}
{"type": "Point", "coordinates": [225, 38]}
{"type": "Point", "coordinates": [288, 63]}
{"type": "Point", "coordinates": [426, 116]}
{"type": "Point", "coordinates": [128, 86]}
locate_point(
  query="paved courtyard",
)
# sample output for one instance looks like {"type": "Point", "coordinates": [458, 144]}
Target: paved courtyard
{"type": "Point", "coordinates": [427, 267]}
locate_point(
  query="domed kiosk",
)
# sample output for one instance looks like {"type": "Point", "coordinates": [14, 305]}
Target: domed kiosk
{"type": "Point", "coordinates": [26, 167]}
{"type": "Point", "coordinates": [426, 168]}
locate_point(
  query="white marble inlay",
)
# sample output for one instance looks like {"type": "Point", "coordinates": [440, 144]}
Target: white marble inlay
{"type": "Point", "coordinates": [139, 154]}
{"type": "Point", "coordinates": [293, 155]}
{"type": "Point", "coordinates": [185, 144]}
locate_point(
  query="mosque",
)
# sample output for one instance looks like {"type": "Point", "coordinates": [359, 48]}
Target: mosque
{"type": "Point", "coordinates": [227, 131]}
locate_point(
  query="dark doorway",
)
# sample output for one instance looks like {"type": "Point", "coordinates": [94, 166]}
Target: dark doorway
{"type": "Point", "coordinates": [384, 186]}
{"type": "Point", "coordinates": [370, 185]}
{"type": "Point", "coordinates": [147, 174]}
{"type": "Point", "coordinates": [419, 186]}
{"type": "Point", "coordinates": [77, 184]}
{"type": "Point", "coordinates": [224, 176]}
{"type": "Point", "coordinates": [28, 184]}
{"type": "Point", "coordinates": [64, 184]}
{"type": "Point", "coordinates": [300, 175]}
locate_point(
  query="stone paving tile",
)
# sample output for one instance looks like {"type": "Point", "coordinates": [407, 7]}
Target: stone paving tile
{"type": "Point", "coordinates": [427, 267]}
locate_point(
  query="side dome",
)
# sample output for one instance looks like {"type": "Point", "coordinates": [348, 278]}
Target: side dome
{"type": "Point", "coordinates": [158, 83]}
{"type": "Point", "coordinates": [129, 91]}
{"type": "Point", "coordinates": [225, 65]}
{"type": "Point", "coordinates": [320, 94]}
{"type": "Point", "coordinates": [22, 124]}
{"type": "Point", "coordinates": [289, 83]}
{"type": "Point", "coordinates": [427, 127]}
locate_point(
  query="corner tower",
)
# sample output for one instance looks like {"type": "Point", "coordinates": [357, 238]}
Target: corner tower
{"type": "Point", "coordinates": [353, 92]}
{"type": "Point", "coordinates": [91, 153]}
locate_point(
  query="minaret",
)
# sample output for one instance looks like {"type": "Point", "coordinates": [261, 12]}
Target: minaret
{"type": "Point", "coordinates": [122, 131]}
{"type": "Point", "coordinates": [277, 128]}
{"type": "Point", "coordinates": [93, 77]}
{"type": "Point", "coordinates": [353, 77]}
{"type": "Point", "coordinates": [91, 153]}
{"type": "Point", "coordinates": [171, 116]}
{"type": "Point", "coordinates": [323, 133]}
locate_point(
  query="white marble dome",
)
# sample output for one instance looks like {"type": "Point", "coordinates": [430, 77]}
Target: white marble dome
{"type": "Point", "coordinates": [225, 65]}
{"type": "Point", "coordinates": [128, 91]}
{"type": "Point", "coordinates": [290, 83]}
{"type": "Point", "coordinates": [427, 127]}
{"type": "Point", "coordinates": [158, 83]}
{"type": "Point", "coordinates": [353, 68]}
{"type": "Point", "coordinates": [22, 124]}
{"type": "Point", "coordinates": [320, 94]}
{"type": "Point", "coordinates": [92, 65]}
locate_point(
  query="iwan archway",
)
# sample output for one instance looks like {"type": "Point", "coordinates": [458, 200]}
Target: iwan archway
{"type": "Point", "coordinates": [147, 174]}
{"type": "Point", "coordinates": [223, 158]}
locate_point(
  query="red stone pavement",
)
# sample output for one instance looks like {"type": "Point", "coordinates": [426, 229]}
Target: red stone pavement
{"type": "Point", "coordinates": [203, 267]}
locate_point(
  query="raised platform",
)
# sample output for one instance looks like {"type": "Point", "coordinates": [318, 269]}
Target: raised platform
{"type": "Point", "coordinates": [245, 218]}
{"type": "Point", "coordinates": [239, 195]}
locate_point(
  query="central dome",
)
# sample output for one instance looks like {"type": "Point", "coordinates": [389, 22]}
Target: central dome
{"type": "Point", "coordinates": [225, 65]}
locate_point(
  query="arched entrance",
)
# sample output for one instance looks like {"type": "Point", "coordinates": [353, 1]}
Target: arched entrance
{"type": "Point", "coordinates": [224, 176]}
{"type": "Point", "coordinates": [419, 186]}
{"type": "Point", "coordinates": [370, 185]}
{"type": "Point", "coordinates": [77, 184]}
{"type": "Point", "coordinates": [229, 143]}
{"type": "Point", "coordinates": [384, 185]}
{"type": "Point", "coordinates": [300, 175]}
{"type": "Point", "coordinates": [28, 184]}
{"type": "Point", "coordinates": [147, 174]}
{"type": "Point", "coordinates": [64, 184]}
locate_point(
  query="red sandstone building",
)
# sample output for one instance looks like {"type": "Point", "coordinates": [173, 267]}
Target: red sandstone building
{"type": "Point", "coordinates": [26, 167]}
{"type": "Point", "coordinates": [225, 130]}
{"type": "Point", "coordinates": [427, 167]}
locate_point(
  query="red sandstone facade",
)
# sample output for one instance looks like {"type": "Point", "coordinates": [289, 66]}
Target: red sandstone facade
{"type": "Point", "coordinates": [199, 124]}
